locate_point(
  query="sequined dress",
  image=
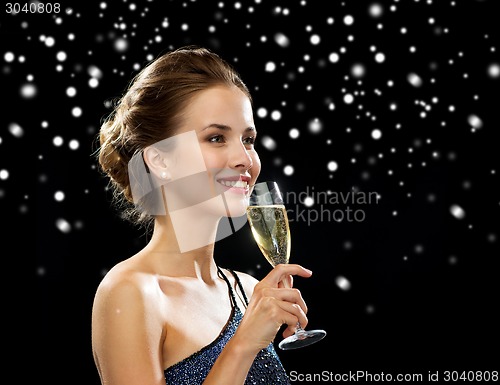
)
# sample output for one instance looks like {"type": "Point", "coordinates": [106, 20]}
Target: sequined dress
{"type": "Point", "coordinates": [265, 370]}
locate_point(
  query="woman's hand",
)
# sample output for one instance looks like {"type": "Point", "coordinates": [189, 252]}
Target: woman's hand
{"type": "Point", "coordinates": [274, 302]}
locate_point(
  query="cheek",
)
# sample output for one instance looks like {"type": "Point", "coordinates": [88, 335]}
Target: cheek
{"type": "Point", "coordinates": [255, 170]}
{"type": "Point", "coordinates": [212, 161]}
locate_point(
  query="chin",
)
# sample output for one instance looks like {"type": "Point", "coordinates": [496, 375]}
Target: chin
{"type": "Point", "coordinates": [236, 204]}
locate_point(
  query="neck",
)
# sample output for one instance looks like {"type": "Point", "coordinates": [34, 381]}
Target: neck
{"type": "Point", "coordinates": [176, 257]}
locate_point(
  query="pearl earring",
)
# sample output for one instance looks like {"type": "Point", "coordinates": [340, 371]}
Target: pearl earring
{"type": "Point", "coordinates": [163, 175]}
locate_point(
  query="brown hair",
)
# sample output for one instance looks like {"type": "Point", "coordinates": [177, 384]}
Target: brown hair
{"type": "Point", "coordinates": [152, 109]}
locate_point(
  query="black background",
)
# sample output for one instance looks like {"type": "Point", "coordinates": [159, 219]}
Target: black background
{"type": "Point", "coordinates": [423, 292]}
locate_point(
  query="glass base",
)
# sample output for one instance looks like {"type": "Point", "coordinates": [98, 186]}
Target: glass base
{"type": "Point", "coordinates": [302, 338]}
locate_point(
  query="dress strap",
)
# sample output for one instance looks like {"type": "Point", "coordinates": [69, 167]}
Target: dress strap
{"type": "Point", "coordinates": [239, 285]}
{"type": "Point", "coordinates": [231, 292]}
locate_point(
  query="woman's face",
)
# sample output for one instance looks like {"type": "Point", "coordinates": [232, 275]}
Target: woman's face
{"type": "Point", "coordinates": [221, 119]}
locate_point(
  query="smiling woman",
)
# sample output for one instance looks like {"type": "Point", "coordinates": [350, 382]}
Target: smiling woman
{"type": "Point", "coordinates": [179, 153]}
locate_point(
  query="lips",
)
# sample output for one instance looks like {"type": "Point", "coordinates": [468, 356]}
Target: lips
{"type": "Point", "coordinates": [237, 182]}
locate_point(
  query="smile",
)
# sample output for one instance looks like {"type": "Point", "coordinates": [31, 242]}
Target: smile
{"type": "Point", "coordinates": [234, 183]}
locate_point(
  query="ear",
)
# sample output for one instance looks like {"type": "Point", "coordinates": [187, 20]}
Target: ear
{"type": "Point", "coordinates": [156, 163]}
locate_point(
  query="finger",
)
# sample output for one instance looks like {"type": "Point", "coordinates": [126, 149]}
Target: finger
{"type": "Point", "coordinates": [287, 282]}
{"type": "Point", "coordinates": [291, 328]}
{"type": "Point", "coordinates": [290, 295]}
{"type": "Point", "coordinates": [282, 271]}
{"type": "Point", "coordinates": [294, 314]}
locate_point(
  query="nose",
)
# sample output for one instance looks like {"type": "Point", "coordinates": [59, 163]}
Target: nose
{"type": "Point", "coordinates": [239, 157]}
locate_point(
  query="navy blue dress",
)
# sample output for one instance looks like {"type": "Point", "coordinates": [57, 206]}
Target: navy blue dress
{"type": "Point", "coordinates": [266, 368]}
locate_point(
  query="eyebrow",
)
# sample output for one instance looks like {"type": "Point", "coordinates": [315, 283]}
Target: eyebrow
{"type": "Point", "coordinates": [224, 127]}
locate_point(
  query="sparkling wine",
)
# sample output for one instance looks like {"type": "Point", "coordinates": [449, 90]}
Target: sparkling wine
{"type": "Point", "coordinates": [270, 230]}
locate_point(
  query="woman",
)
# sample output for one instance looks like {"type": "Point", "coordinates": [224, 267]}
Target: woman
{"type": "Point", "coordinates": [179, 152]}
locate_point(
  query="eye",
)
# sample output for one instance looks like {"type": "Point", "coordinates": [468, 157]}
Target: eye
{"type": "Point", "coordinates": [217, 139]}
{"type": "Point", "coordinates": [249, 140]}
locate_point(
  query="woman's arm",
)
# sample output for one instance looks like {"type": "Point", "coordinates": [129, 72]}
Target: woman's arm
{"type": "Point", "coordinates": [271, 306]}
{"type": "Point", "coordinates": [125, 341]}
{"type": "Point", "coordinates": [127, 338]}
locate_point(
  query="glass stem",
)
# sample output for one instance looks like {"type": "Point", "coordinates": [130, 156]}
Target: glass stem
{"type": "Point", "coordinates": [299, 329]}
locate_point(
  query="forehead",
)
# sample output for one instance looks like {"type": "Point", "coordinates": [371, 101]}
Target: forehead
{"type": "Point", "coordinates": [226, 105]}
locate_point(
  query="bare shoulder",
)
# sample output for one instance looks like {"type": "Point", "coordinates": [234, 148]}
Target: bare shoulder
{"type": "Point", "coordinates": [126, 327]}
{"type": "Point", "coordinates": [121, 286]}
{"type": "Point", "coordinates": [119, 277]}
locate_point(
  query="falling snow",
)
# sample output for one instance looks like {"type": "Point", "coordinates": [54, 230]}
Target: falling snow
{"type": "Point", "coordinates": [393, 97]}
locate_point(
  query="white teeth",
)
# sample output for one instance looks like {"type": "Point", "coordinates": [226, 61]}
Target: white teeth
{"type": "Point", "coordinates": [234, 183]}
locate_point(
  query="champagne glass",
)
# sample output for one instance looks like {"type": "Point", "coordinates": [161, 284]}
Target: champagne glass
{"type": "Point", "coordinates": [268, 220]}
